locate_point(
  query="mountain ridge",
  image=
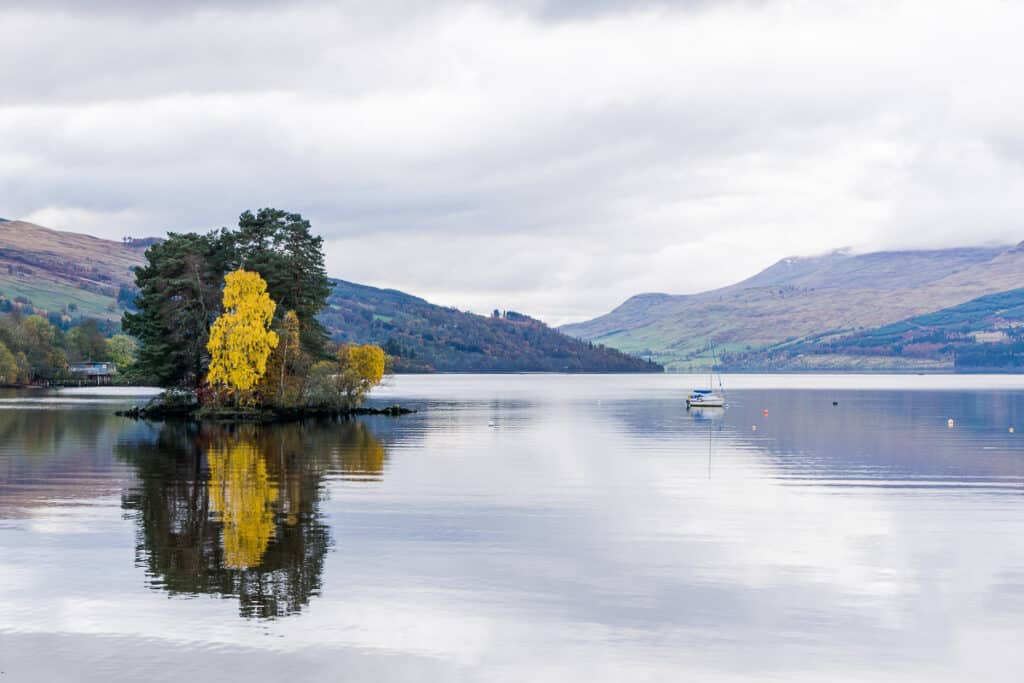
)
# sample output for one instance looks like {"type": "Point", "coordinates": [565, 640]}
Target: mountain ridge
{"type": "Point", "coordinates": [68, 275]}
{"type": "Point", "coordinates": [799, 297]}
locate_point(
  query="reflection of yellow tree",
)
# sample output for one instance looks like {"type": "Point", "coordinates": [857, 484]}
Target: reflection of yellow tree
{"type": "Point", "coordinates": [361, 453]}
{"type": "Point", "coordinates": [243, 496]}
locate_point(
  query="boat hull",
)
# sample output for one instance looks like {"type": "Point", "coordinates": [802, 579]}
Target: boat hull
{"type": "Point", "coordinates": [705, 399]}
{"type": "Point", "coordinates": [714, 403]}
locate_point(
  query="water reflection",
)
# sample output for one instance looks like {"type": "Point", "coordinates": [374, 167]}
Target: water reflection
{"type": "Point", "coordinates": [535, 528]}
{"type": "Point", "coordinates": [854, 438]}
{"type": "Point", "coordinates": [235, 511]}
{"type": "Point", "coordinates": [56, 454]}
{"type": "Point", "coordinates": [51, 432]}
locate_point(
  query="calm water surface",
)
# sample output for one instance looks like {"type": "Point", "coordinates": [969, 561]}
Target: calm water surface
{"type": "Point", "coordinates": [524, 528]}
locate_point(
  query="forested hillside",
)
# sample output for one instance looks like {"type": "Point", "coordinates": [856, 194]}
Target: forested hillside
{"type": "Point", "coordinates": [423, 337]}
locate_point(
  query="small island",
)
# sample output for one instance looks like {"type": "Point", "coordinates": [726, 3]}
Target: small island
{"type": "Point", "coordinates": [227, 326]}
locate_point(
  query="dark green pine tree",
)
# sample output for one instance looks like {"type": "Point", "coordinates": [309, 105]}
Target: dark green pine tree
{"type": "Point", "coordinates": [179, 298]}
{"type": "Point", "coordinates": [281, 247]}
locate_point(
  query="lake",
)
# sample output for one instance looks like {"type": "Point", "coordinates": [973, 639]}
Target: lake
{"type": "Point", "coordinates": [524, 528]}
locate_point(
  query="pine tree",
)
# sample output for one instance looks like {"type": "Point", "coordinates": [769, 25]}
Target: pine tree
{"type": "Point", "coordinates": [281, 247]}
{"type": "Point", "coordinates": [178, 300]}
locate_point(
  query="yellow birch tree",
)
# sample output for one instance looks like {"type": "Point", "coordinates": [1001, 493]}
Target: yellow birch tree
{"type": "Point", "coordinates": [241, 339]}
{"type": "Point", "coordinates": [362, 368]}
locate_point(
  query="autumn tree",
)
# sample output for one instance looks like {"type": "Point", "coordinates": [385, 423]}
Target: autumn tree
{"type": "Point", "coordinates": [362, 368]}
{"type": "Point", "coordinates": [8, 366]}
{"type": "Point", "coordinates": [344, 383]}
{"type": "Point", "coordinates": [241, 339]}
{"type": "Point", "coordinates": [24, 368]}
{"type": "Point", "coordinates": [122, 350]}
{"type": "Point", "coordinates": [87, 343]}
{"type": "Point", "coordinates": [282, 384]}
{"type": "Point", "coordinates": [42, 344]}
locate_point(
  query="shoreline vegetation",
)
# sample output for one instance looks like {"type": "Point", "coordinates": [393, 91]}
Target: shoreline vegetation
{"type": "Point", "coordinates": [159, 411]}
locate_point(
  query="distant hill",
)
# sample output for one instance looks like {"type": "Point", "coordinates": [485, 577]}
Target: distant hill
{"type": "Point", "coordinates": [425, 337]}
{"type": "Point", "coordinates": [805, 300]}
{"type": "Point", "coordinates": [56, 271]}
{"type": "Point", "coordinates": [51, 271]}
{"type": "Point", "coordinates": [983, 334]}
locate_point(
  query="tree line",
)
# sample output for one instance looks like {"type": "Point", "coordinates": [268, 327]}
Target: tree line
{"type": "Point", "coordinates": [35, 350]}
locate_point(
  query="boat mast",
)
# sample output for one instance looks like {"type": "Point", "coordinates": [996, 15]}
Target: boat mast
{"type": "Point", "coordinates": [714, 362]}
{"type": "Point", "coordinates": [711, 370]}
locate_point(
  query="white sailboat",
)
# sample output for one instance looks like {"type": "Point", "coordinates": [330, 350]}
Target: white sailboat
{"type": "Point", "coordinates": [707, 398]}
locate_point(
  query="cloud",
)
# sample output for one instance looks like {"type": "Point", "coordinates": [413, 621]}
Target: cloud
{"type": "Point", "coordinates": [550, 157]}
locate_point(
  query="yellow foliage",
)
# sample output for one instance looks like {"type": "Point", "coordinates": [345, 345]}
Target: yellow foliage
{"type": "Point", "coordinates": [362, 369]}
{"type": "Point", "coordinates": [240, 339]}
{"type": "Point", "coordinates": [365, 362]}
{"type": "Point", "coordinates": [344, 383]}
{"type": "Point", "coordinates": [242, 495]}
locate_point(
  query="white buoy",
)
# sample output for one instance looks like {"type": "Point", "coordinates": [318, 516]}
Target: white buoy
{"type": "Point", "coordinates": [949, 422]}
{"type": "Point", "coordinates": [1011, 430]}
{"type": "Point", "coordinates": [753, 428]}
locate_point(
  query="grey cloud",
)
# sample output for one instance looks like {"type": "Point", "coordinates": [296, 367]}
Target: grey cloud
{"type": "Point", "coordinates": [555, 9]}
{"type": "Point", "coordinates": [584, 9]}
{"type": "Point", "coordinates": [142, 7]}
{"type": "Point", "coordinates": [597, 157]}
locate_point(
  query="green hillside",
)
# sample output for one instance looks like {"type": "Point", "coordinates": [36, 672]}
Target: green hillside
{"type": "Point", "coordinates": [423, 337]}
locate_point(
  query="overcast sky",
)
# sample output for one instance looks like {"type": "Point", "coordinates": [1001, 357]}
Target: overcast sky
{"type": "Point", "coordinates": [550, 157]}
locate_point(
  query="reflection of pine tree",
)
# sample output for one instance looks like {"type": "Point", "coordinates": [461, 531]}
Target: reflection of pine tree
{"type": "Point", "coordinates": [235, 511]}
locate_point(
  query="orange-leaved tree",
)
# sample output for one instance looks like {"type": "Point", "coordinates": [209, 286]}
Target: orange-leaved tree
{"type": "Point", "coordinates": [241, 339]}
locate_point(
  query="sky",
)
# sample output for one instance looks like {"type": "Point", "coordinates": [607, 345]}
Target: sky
{"type": "Point", "coordinates": [548, 156]}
